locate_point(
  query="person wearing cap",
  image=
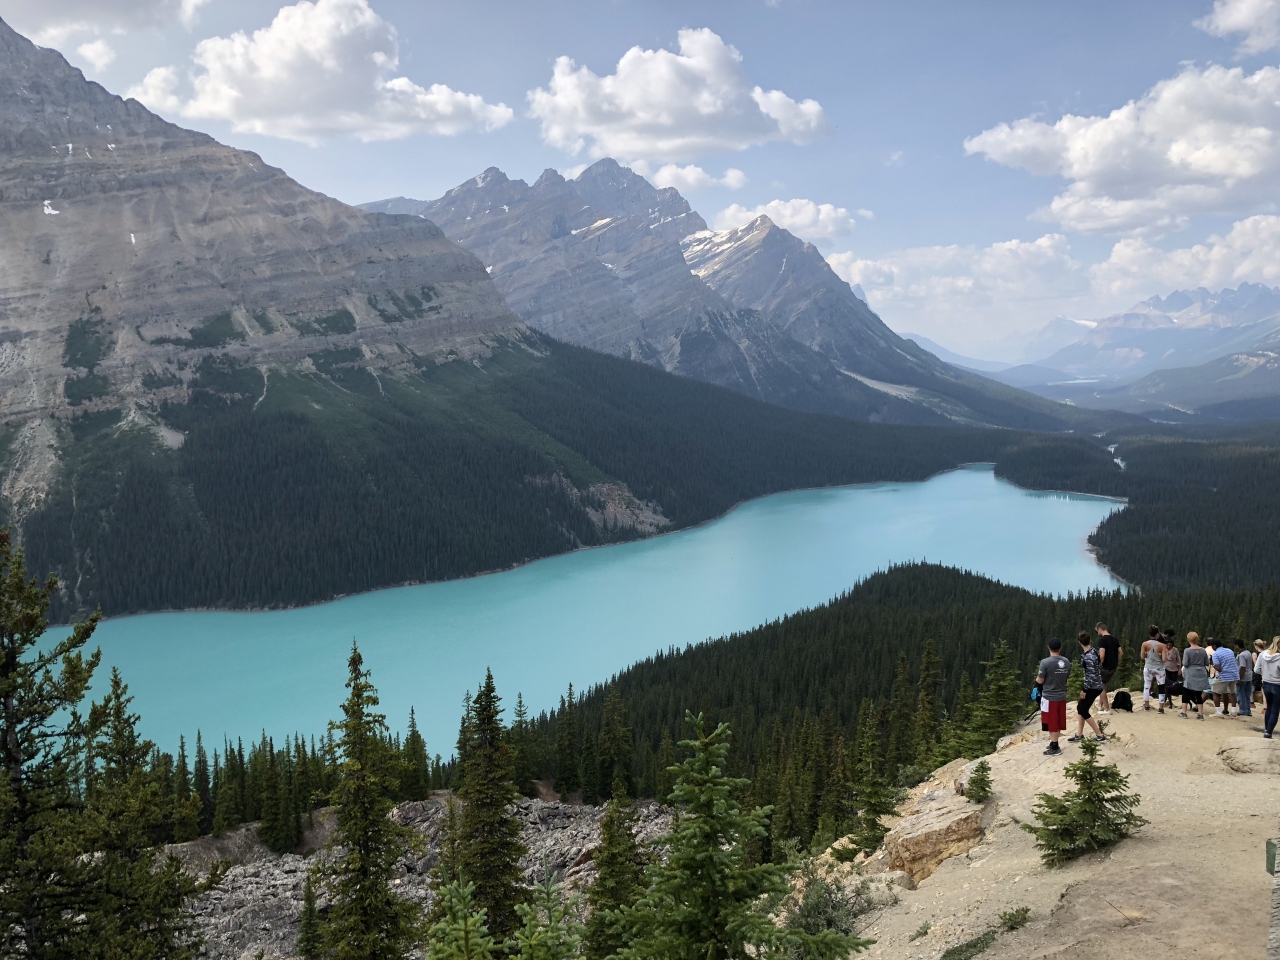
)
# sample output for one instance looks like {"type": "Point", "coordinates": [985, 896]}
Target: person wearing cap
{"type": "Point", "coordinates": [1052, 677]}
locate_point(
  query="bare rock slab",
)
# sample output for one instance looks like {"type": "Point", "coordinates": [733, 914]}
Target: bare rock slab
{"type": "Point", "coordinates": [1251, 755]}
{"type": "Point", "coordinates": [944, 828]}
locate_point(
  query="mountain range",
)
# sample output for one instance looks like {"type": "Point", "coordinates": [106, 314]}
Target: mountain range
{"type": "Point", "coordinates": [221, 389]}
{"type": "Point", "coordinates": [1170, 357]}
{"type": "Point", "coordinates": [610, 262]}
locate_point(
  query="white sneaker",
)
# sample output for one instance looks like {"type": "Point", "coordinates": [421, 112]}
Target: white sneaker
{"type": "Point", "coordinates": [1218, 711]}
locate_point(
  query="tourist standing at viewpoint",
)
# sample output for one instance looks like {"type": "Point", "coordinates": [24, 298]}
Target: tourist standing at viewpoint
{"type": "Point", "coordinates": [1195, 676]}
{"type": "Point", "coordinates": [1267, 669]}
{"type": "Point", "coordinates": [1091, 664]}
{"type": "Point", "coordinates": [1172, 666]}
{"type": "Point", "coordinates": [1244, 686]}
{"type": "Point", "coordinates": [1152, 654]}
{"type": "Point", "coordinates": [1259, 646]}
{"type": "Point", "coordinates": [1110, 651]}
{"type": "Point", "coordinates": [1052, 677]}
{"type": "Point", "coordinates": [1225, 677]}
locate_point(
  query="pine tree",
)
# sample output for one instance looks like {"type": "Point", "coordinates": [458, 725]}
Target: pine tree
{"type": "Point", "coordinates": [461, 933]}
{"type": "Point", "coordinates": [568, 779]}
{"type": "Point", "coordinates": [703, 901]}
{"type": "Point", "coordinates": [838, 812]}
{"type": "Point", "coordinates": [590, 771]}
{"type": "Point", "coordinates": [489, 835]}
{"type": "Point", "coordinates": [955, 729]}
{"type": "Point", "coordinates": [550, 929]}
{"type": "Point", "coordinates": [978, 788]}
{"type": "Point", "coordinates": [666, 767]}
{"type": "Point", "coordinates": [872, 792]}
{"type": "Point", "coordinates": [366, 919]}
{"type": "Point", "coordinates": [619, 878]}
{"type": "Point", "coordinates": [1097, 814]}
{"type": "Point", "coordinates": [523, 748]}
{"type": "Point", "coordinates": [310, 942]}
{"type": "Point", "coordinates": [615, 748]}
{"type": "Point", "coordinates": [928, 719]}
{"type": "Point", "coordinates": [902, 703]}
{"type": "Point", "coordinates": [42, 741]}
{"type": "Point", "coordinates": [138, 892]}
{"type": "Point", "coordinates": [203, 785]}
{"type": "Point", "coordinates": [416, 781]}
{"type": "Point", "coordinates": [1000, 704]}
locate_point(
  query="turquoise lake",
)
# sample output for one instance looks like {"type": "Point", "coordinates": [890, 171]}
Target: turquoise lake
{"type": "Point", "coordinates": [582, 616]}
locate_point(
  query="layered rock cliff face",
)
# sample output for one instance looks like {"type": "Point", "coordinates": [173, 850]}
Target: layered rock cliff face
{"type": "Point", "coordinates": [130, 247]}
{"type": "Point", "coordinates": [609, 262]}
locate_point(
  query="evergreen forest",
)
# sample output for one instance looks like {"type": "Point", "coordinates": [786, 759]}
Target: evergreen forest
{"type": "Point", "coordinates": [293, 488]}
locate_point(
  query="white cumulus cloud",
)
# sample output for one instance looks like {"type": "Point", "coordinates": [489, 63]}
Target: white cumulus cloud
{"type": "Point", "coordinates": [98, 52]}
{"type": "Point", "coordinates": [1248, 252]}
{"type": "Point", "coordinates": [669, 106]}
{"type": "Point", "coordinates": [323, 69]}
{"type": "Point", "coordinates": [806, 219]}
{"type": "Point", "coordinates": [1204, 141]}
{"type": "Point", "coordinates": [52, 22]}
{"type": "Point", "coordinates": [693, 177]}
{"type": "Point", "coordinates": [1258, 20]}
{"type": "Point", "coordinates": [158, 91]}
{"type": "Point", "coordinates": [970, 294]}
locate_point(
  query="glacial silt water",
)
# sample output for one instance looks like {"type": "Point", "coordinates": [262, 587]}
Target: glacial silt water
{"type": "Point", "coordinates": [581, 616]}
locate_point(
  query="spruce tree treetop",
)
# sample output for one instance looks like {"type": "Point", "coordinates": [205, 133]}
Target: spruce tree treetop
{"type": "Point", "coordinates": [703, 901]}
{"type": "Point", "coordinates": [489, 846]}
{"type": "Point", "coordinates": [461, 933]}
{"type": "Point", "coordinates": [366, 919]}
{"type": "Point", "coordinates": [619, 878]}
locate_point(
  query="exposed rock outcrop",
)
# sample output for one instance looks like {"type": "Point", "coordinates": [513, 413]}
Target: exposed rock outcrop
{"type": "Point", "coordinates": [256, 908]}
{"type": "Point", "coordinates": [943, 825]}
{"type": "Point", "coordinates": [1251, 755]}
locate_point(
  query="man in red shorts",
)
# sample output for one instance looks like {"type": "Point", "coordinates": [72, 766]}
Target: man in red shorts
{"type": "Point", "coordinates": [1054, 671]}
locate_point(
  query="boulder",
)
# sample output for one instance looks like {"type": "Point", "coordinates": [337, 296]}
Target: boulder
{"type": "Point", "coordinates": [937, 831]}
{"type": "Point", "coordinates": [1251, 755]}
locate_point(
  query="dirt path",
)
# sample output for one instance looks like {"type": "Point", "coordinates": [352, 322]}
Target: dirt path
{"type": "Point", "coordinates": [1192, 884]}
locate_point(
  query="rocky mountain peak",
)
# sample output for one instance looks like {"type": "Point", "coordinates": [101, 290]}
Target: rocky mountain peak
{"type": "Point", "coordinates": [550, 178]}
{"type": "Point", "coordinates": [619, 191]}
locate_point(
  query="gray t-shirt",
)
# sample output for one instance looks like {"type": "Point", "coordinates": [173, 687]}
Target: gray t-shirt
{"type": "Point", "coordinates": [1055, 670]}
{"type": "Point", "coordinates": [1245, 659]}
{"type": "Point", "coordinates": [1195, 668]}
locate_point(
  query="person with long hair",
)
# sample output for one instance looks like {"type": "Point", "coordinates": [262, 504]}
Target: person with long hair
{"type": "Point", "coordinates": [1268, 671]}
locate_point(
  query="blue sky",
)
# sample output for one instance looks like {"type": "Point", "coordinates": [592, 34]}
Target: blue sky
{"type": "Point", "coordinates": [979, 168]}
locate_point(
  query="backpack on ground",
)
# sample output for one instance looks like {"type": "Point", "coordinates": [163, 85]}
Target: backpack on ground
{"type": "Point", "coordinates": [1122, 701]}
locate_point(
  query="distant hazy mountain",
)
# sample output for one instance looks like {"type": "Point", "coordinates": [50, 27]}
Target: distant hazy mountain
{"type": "Point", "coordinates": [942, 353]}
{"type": "Point", "coordinates": [609, 262]}
{"type": "Point", "coordinates": [1184, 329]}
